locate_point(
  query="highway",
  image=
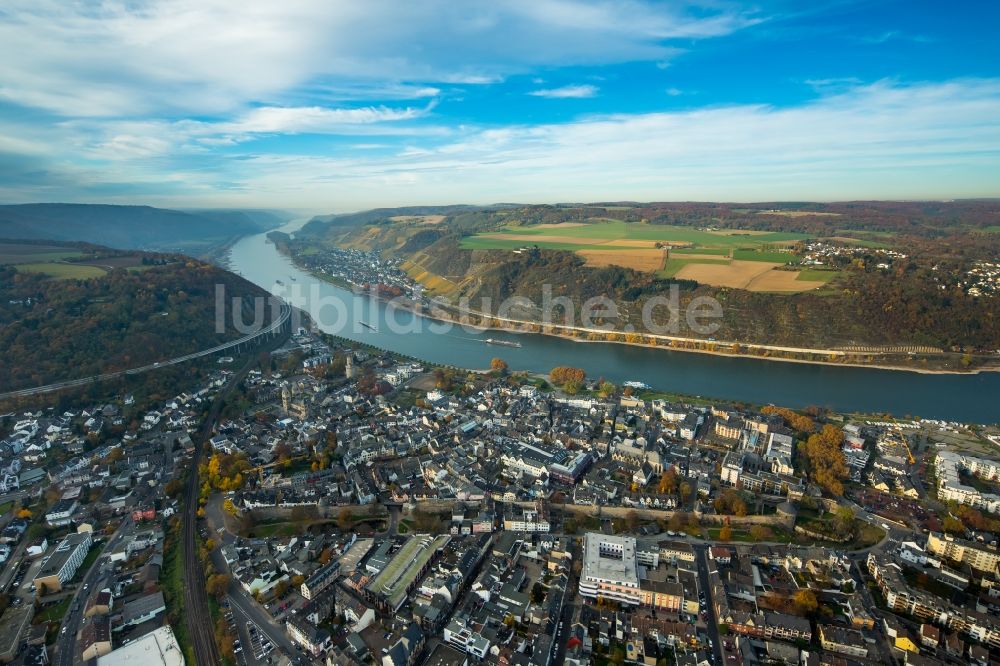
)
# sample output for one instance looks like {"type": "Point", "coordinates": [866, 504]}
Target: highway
{"type": "Point", "coordinates": [283, 317]}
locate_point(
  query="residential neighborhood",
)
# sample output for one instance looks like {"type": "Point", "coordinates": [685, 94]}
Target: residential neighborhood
{"type": "Point", "coordinates": [359, 507]}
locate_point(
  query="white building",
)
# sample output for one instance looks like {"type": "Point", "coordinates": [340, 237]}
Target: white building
{"type": "Point", "coordinates": [157, 648]}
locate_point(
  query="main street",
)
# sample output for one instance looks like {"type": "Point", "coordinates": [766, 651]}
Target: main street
{"type": "Point", "coordinates": [705, 588]}
{"type": "Point", "coordinates": [93, 579]}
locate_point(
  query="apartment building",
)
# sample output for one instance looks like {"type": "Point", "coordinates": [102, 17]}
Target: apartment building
{"type": "Point", "coordinates": [975, 555]}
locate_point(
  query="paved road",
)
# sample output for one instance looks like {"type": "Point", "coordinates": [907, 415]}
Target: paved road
{"type": "Point", "coordinates": [16, 556]}
{"type": "Point", "coordinates": [712, 628]}
{"type": "Point", "coordinates": [282, 319]}
{"type": "Point", "coordinates": [97, 575]}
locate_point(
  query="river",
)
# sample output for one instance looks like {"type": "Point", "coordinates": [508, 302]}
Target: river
{"type": "Point", "coordinates": [967, 398]}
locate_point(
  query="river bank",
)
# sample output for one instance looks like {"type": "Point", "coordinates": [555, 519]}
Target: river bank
{"type": "Point", "coordinates": [671, 343]}
{"type": "Point", "coordinates": [963, 397]}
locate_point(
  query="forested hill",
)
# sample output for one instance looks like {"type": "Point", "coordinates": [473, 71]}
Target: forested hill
{"type": "Point", "coordinates": [898, 275]}
{"type": "Point", "coordinates": [132, 227]}
{"type": "Point", "coordinates": [145, 308]}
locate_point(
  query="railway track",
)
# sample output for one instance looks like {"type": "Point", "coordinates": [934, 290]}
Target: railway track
{"type": "Point", "coordinates": [199, 619]}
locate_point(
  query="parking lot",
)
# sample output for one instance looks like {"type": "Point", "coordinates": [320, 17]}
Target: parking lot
{"type": "Point", "coordinates": [252, 648]}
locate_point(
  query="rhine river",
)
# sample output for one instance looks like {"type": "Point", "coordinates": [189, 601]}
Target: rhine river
{"type": "Point", "coordinates": [969, 398]}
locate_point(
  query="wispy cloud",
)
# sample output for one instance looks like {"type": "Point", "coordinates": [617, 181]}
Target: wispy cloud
{"type": "Point", "coordinates": [212, 56]}
{"type": "Point", "coordinates": [565, 92]}
{"type": "Point", "coordinates": [895, 35]}
{"type": "Point", "coordinates": [879, 140]}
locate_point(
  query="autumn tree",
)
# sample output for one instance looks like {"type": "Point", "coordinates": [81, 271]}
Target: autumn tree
{"type": "Point", "coordinates": [796, 421]}
{"type": "Point", "coordinates": [952, 525]}
{"type": "Point", "coordinates": [730, 502]}
{"type": "Point", "coordinates": [632, 520]}
{"type": "Point", "coordinates": [668, 481]}
{"type": "Point", "coordinates": [726, 533]}
{"type": "Point", "coordinates": [217, 585]}
{"type": "Point", "coordinates": [805, 601]}
{"type": "Point", "coordinates": [498, 365]}
{"type": "Point", "coordinates": [677, 521]}
{"type": "Point", "coordinates": [345, 519]}
{"type": "Point", "coordinates": [761, 533]}
{"type": "Point", "coordinates": [823, 459]}
{"type": "Point", "coordinates": [562, 375]}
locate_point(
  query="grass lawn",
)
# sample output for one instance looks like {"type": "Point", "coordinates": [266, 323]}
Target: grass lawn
{"type": "Point", "coordinates": [95, 552]}
{"type": "Point", "coordinates": [53, 613]}
{"type": "Point", "coordinates": [63, 271]}
{"type": "Point", "coordinates": [743, 534]}
{"type": "Point", "coordinates": [172, 583]}
{"type": "Point", "coordinates": [288, 528]}
{"type": "Point", "coordinates": [5, 507]}
{"type": "Point", "coordinates": [993, 229]}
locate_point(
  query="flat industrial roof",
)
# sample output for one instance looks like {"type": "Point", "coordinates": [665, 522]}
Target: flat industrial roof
{"type": "Point", "coordinates": [157, 648]}
{"type": "Point", "coordinates": [599, 563]}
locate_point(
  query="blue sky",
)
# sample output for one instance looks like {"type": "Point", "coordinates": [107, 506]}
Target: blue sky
{"type": "Point", "coordinates": [331, 106]}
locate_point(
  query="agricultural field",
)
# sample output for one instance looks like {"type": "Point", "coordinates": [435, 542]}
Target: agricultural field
{"type": "Point", "coordinates": [734, 258]}
{"type": "Point", "coordinates": [597, 233]}
{"type": "Point", "coordinates": [131, 261]}
{"type": "Point", "coordinates": [422, 219]}
{"type": "Point", "coordinates": [797, 213]}
{"type": "Point", "coordinates": [23, 253]}
{"type": "Point", "coordinates": [64, 263]}
{"type": "Point", "coordinates": [63, 271]}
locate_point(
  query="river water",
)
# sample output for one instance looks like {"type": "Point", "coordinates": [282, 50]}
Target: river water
{"type": "Point", "coordinates": [968, 398]}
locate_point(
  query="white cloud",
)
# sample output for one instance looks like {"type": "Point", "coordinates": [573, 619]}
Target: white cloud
{"type": "Point", "coordinates": [214, 56]}
{"type": "Point", "coordinates": [674, 92]}
{"type": "Point", "coordinates": [313, 119]}
{"type": "Point", "coordinates": [877, 141]}
{"type": "Point", "coordinates": [576, 92]}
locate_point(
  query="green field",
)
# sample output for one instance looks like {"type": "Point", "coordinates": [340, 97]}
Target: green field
{"type": "Point", "coordinates": [719, 251]}
{"type": "Point", "coordinates": [765, 255]}
{"type": "Point", "coordinates": [485, 242]}
{"type": "Point", "coordinates": [60, 271]}
{"type": "Point", "coordinates": [815, 275]}
{"type": "Point", "coordinates": [36, 257]}
{"type": "Point", "coordinates": [617, 230]}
